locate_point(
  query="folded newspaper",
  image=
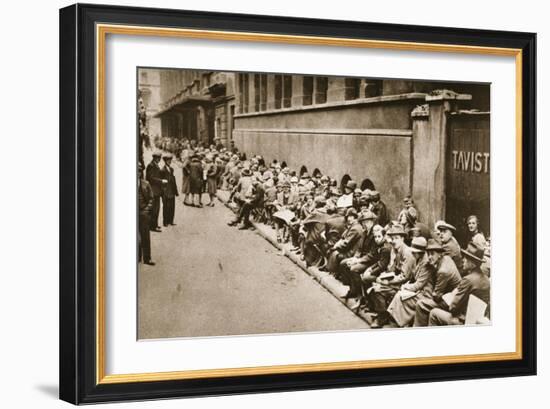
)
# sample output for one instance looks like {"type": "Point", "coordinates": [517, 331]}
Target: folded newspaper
{"type": "Point", "coordinates": [285, 215]}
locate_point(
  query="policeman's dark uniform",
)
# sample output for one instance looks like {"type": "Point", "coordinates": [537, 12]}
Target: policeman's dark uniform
{"type": "Point", "coordinates": [169, 193]}
{"type": "Point", "coordinates": [153, 176]}
{"type": "Point", "coordinates": [145, 202]}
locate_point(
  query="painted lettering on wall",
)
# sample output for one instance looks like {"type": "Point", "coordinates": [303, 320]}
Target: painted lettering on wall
{"type": "Point", "coordinates": [471, 161]}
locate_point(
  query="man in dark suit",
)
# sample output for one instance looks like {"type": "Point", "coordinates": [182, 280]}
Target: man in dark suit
{"type": "Point", "coordinates": [153, 176]}
{"type": "Point", "coordinates": [475, 282]}
{"type": "Point", "coordinates": [379, 208]}
{"type": "Point", "coordinates": [145, 202]}
{"type": "Point", "coordinates": [348, 243]}
{"type": "Point", "coordinates": [169, 191]}
{"type": "Point", "coordinates": [256, 199]}
{"type": "Point", "coordinates": [351, 268]}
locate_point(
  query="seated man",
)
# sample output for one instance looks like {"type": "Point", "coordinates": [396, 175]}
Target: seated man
{"type": "Point", "coordinates": [399, 271]}
{"type": "Point", "coordinates": [381, 257]}
{"type": "Point", "coordinates": [313, 226]}
{"type": "Point", "coordinates": [447, 278]}
{"type": "Point", "coordinates": [348, 243]}
{"type": "Point", "coordinates": [255, 198]}
{"type": "Point", "coordinates": [351, 268]}
{"type": "Point", "coordinates": [475, 282]}
{"type": "Point", "coordinates": [403, 306]}
{"type": "Point", "coordinates": [449, 243]}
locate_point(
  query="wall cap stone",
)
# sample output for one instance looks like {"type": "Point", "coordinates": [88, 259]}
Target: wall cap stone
{"type": "Point", "coordinates": [447, 94]}
{"type": "Point", "coordinates": [328, 105]}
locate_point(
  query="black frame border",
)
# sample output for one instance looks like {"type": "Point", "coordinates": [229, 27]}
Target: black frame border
{"type": "Point", "coordinates": [77, 255]}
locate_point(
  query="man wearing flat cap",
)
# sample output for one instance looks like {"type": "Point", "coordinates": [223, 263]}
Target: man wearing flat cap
{"type": "Point", "coordinates": [403, 306]}
{"type": "Point", "coordinates": [169, 191]}
{"type": "Point", "coordinates": [399, 272]}
{"type": "Point", "coordinates": [348, 243]}
{"type": "Point", "coordinates": [154, 177]}
{"type": "Point", "coordinates": [474, 283]}
{"type": "Point", "coordinates": [449, 243]}
{"type": "Point", "coordinates": [447, 278]}
{"type": "Point", "coordinates": [352, 268]}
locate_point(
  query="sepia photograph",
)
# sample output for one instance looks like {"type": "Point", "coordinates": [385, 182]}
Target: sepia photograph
{"type": "Point", "coordinates": [272, 203]}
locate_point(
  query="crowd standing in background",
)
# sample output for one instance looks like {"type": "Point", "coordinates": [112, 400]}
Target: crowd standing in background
{"type": "Point", "coordinates": [399, 269]}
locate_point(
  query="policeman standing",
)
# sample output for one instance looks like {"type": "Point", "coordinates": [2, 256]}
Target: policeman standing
{"type": "Point", "coordinates": [153, 176]}
{"type": "Point", "coordinates": [145, 202]}
{"type": "Point", "coordinates": [169, 192]}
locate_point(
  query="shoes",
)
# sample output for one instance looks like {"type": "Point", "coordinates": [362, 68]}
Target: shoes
{"type": "Point", "coordinates": [165, 225]}
{"type": "Point", "coordinates": [211, 204]}
{"type": "Point", "coordinates": [156, 230]}
{"type": "Point", "coordinates": [188, 204]}
{"type": "Point", "coordinates": [245, 226]}
{"type": "Point", "coordinates": [199, 205]}
{"type": "Point", "coordinates": [355, 304]}
{"type": "Point", "coordinates": [375, 324]}
{"type": "Point", "coordinates": [173, 224]}
{"type": "Point", "coordinates": [149, 262]}
{"type": "Point", "coordinates": [232, 223]}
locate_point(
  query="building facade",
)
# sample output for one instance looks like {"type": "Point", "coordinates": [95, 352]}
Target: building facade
{"type": "Point", "coordinates": [405, 137]}
{"type": "Point", "coordinates": [149, 92]}
{"type": "Point", "coordinates": [197, 105]}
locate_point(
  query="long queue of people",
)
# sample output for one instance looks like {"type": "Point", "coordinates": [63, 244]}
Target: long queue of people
{"type": "Point", "coordinates": [402, 271]}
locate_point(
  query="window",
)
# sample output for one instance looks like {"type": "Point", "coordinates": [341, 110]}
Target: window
{"type": "Point", "coordinates": [287, 91]}
{"type": "Point", "coordinates": [352, 86]}
{"type": "Point", "coordinates": [263, 92]}
{"type": "Point", "coordinates": [321, 86]}
{"type": "Point", "coordinates": [307, 90]}
{"type": "Point", "coordinates": [345, 179]}
{"type": "Point", "coordinates": [240, 92]}
{"type": "Point", "coordinates": [278, 91]}
{"type": "Point", "coordinates": [245, 92]}
{"type": "Point", "coordinates": [256, 92]}
{"type": "Point", "coordinates": [367, 184]}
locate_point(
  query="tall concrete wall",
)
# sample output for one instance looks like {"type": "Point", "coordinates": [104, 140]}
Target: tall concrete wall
{"type": "Point", "coordinates": [383, 156]}
{"type": "Point", "coordinates": [363, 139]}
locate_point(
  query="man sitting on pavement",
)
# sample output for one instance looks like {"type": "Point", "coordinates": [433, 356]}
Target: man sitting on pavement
{"type": "Point", "coordinates": [474, 283]}
{"type": "Point", "coordinates": [447, 278]}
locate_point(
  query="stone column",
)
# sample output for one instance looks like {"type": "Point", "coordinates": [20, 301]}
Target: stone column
{"type": "Point", "coordinates": [429, 149]}
{"type": "Point", "coordinates": [336, 89]}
